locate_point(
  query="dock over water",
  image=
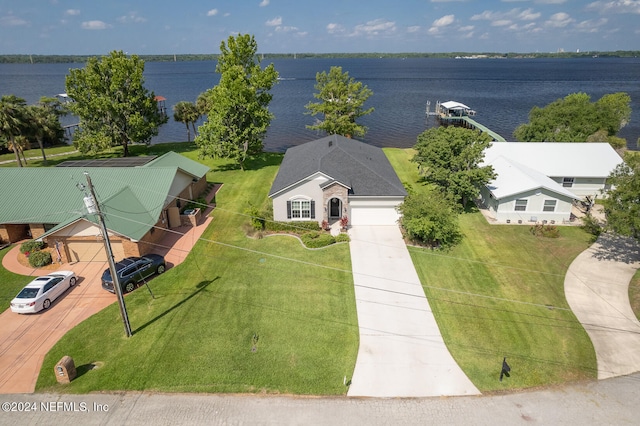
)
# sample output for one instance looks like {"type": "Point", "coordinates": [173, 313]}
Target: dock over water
{"type": "Point", "coordinates": [458, 114]}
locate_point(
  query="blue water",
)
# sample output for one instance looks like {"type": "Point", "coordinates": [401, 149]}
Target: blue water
{"type": "Point", "coordinates": [502, 91]}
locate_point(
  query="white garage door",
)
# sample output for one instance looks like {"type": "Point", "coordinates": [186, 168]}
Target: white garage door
{"type": "Point", "coordinates": [91, 251]}
{"type": "Point", "coordinates": [373, 215]}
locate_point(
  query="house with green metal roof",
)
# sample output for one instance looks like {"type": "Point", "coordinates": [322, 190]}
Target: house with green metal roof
{"type": "Point", "coordinates": [139, 204]}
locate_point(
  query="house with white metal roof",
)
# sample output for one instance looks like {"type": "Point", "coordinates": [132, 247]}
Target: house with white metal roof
{"type": "Point", "coordinates": [538, 181]}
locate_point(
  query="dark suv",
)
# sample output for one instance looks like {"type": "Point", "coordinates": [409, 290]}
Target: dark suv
{"type": "Point", "coordinates": [132, 270]}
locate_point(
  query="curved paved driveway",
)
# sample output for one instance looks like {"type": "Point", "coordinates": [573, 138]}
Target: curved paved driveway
{"type": "Point", "coordinates": [401, 351]}
{"type": "Point", "coordinates": [596, 287]}
{"type": "Point", "coordinates": [26, 339]}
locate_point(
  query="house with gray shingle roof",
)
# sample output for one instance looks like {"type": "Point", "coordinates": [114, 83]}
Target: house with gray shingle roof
{"type": "Point", "coordinates": [139, 203]}
{"type": "Point", "coordinates": [334, 177]}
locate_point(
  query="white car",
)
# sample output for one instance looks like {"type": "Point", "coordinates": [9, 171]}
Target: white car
{"type": "Point", "coordinates": [39, 293]}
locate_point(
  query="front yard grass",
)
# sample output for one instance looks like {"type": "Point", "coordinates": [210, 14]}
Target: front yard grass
{"type": "Point", "coordinates": [10, 283]}
{"type": "Point", "coordinates": [500, 293]}
{"type": "Point", "coordinates": [239, 315]}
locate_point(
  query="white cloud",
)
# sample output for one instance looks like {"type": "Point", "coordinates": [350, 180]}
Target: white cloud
{"type": "Point", "coordinates": [528, 15]}
{"type": "Point", "coordinates": [413, 29]}
{"type": "Point", "coordinates": [375, 27]}
{"type": "Point", "coordinates": [264, 3]}
{"type": "Point", "coordinates": [274, 22]}
{"type": "Point", "coordinates": [550, 1]}
{"type": "Point", "coordinates": [615, 6]}
{"type": "Point", "coordinates": [444, 21]}
{"type": "Point", "coordinates": [440, 23]}
{"type": "Point", "coordinates": [501, 22]}
{"type": "Point", "coordinates": [559, 20]}
{"type": "Point", "coordinates": [131, 18]}
{"type": "Point", "coordinates": [95, 25]}
{"type": "Point", "coordinates": [72, 12]}
{"type": "Point", "coordinates": [12, 21]}
{"type": "Point", "coordinates": [212, 12]}
{"type": "Point", "coordinates": [333, 28]}
{"type": "Point", "coordinates": [591, 25]}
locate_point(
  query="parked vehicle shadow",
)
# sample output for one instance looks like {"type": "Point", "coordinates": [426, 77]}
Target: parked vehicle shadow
{"type": "Point", "coordinates": [615, 247]}
{"type": "Point", "coordinates": [201, 286]}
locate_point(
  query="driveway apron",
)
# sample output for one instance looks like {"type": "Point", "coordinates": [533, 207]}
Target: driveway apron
{"type": "Point", "coordinates": [401, 352]}
{"type": "Point", "coordinates": [597, 289]}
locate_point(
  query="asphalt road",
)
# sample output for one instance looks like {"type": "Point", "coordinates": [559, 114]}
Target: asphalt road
{"type": "Point", "coordinates": [605, 402]}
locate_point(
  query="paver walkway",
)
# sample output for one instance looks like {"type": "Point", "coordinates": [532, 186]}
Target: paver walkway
{"type": "Point", "coordinates": [401, 351]}
{"type": "Point", "coordinates": [597, 289]}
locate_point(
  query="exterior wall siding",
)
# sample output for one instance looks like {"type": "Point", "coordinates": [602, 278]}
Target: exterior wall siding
{"type": "Point", "coordinates": [583, 186]}
{"type": "Point", "coordinates": [534, 209]}
{"type": "Point", "coordinates": [309, 189]}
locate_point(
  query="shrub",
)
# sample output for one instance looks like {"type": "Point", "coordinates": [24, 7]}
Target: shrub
{"type": "Point", "coordinates": [39, 259]}
{"type": "Point", "coordinates": [257, 221]}
{"type": "Point", "coordinates": [342, 238]}
{"type": "Point", "coordinates": [31, 246]}
{"type": "Point", "coordinates": [591, 225]}
{"type": "Point", "coordinates": [317, 239]}
{"type": "Point", "coordinates": [293, 227]}
{"type": "Point", "coordinates": [548, 231]}
{"type": "Point", "coordinates": [429, 218]}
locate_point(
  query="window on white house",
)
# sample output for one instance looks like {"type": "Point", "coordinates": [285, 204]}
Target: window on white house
{"type": "Point", "coordinates": [521, 205]}
{"type": "Point", "coordinates": [567, 182]}
{"type": "Point", "coordinates": [549, 206]}
{"type": "Point", "coordinates": [300, 209]}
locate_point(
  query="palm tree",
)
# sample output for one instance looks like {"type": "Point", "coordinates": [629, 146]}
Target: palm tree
{"type": "Point", "coordinates": [12, 121]}
{"type": "Point", "coordinates": [45, 123]}
{"type": "Point", "coordinates": [187, 113]}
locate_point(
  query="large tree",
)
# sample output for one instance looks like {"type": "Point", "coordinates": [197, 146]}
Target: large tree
{"type": "Point", "coordinates": [576, 119]}
{"type": "Point", "coordinates": [13, 120]}
{"type": "Point", "coordinates": [450, 158]}
{"type": "Point", "coordinates": [114, 107]}
{"type": "Point", "coordinates": [341, 103]}
{"type": "Point", "coordinates": [237, 108]}
{"type": "Point", "coordinates": [622, 204]}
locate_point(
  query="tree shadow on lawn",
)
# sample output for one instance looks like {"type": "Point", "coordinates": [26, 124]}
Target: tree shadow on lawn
{"type": "Point", "coordinates": [615, 247]}
{"type": "Point", "coordinates": [201, 286]}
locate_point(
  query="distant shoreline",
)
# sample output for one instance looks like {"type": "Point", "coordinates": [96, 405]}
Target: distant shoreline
{"type": "Point", "coordinates": [50, 59]}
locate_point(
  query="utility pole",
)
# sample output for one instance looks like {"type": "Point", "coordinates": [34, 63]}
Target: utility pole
{"type": "Point", "coordinates": [95, 209]}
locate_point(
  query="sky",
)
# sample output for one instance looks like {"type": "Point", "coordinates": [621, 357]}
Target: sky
{"type": "Point", "coordinates": [147, 27]}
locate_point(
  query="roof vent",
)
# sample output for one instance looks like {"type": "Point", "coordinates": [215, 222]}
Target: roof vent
{"type": "Point", "coordinates": [330, 143]}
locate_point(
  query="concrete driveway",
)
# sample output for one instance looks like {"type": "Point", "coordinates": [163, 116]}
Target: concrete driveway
{"type": "Point", "coordinates": [597, 289]}
{"type": "Point", "coordinates": [401, 351]}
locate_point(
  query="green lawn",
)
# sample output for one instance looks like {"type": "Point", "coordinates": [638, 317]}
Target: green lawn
{"type": "Point", "coordinates": [634, 293]}
{"type": "Point", "coordinates": [500, 293]}
{"type": "Point", "coordinates": [197, 335]}
{"type": "Point", "coordinates": [10, 283]}
{"type": "Point", "coordinates": [267, 315]}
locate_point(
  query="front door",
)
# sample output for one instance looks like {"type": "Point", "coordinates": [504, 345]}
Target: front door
{"type": "Point", "coordinates": [335, 207]}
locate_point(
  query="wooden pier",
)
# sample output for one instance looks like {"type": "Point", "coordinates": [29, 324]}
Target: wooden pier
{"type": "Point", "coordinates": [459, 114]}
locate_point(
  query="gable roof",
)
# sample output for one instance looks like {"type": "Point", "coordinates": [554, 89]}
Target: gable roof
{"type": "Point", "coordinates": [559, 159]}
{"type": "Point", "coordinates": [513, 178]}
{"type": "Point", "coordinates": [362, 168]}
{"type": "Point", "coordinates": [131, 198]}
{"type": "Point", "coordinates": [170, 159]}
